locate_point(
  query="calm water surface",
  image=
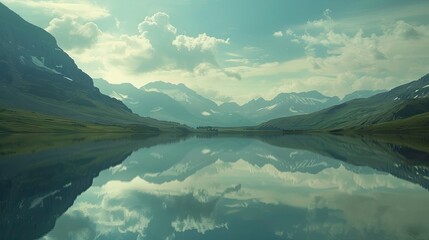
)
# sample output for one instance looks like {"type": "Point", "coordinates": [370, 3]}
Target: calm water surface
{"type": "Point", "coordinates": [283, 187]}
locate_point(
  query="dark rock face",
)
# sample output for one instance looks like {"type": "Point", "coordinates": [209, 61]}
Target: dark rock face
{"type": "Point", "coordinates": [24, 44]}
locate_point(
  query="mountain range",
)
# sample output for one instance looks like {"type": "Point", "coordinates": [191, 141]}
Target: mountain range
{"type": "Point", "coordinates": [177, 102]}
{"type": "Point", "coordinates": [37, 76]}
{"type": "Point", "coordinates": [408, 101]}
{"type": "Point", "coordinates": [43, 90]}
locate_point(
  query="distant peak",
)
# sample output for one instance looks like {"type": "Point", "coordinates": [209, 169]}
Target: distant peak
{"type": "Point", "coordinates": [99, 80]}
{"type": "Point", "coordinates": [160, 83]}
{"type": "Point", "coordinates": [259, 99]}
{"type": "Point", "coordinates": [161, 86]}
{"type": "Point", "coordinates": [312, 94]}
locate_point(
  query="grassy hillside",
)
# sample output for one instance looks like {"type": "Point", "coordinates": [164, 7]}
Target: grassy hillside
{"type": "Point", "coordinates": [20, 121]}
{"type": "Point", "coordinates": [416, 125]}
{"type": "Point", "coordinates": [352, 114]}
{"type": "Point", "coordinates": [402, 102]}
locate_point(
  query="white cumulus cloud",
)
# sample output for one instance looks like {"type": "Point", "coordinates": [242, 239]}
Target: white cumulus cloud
{"type": "Point", "coordinates": [72, 33]}
{"type": "Point", "coordinates": [201, 43]}
{"type": "Point", "coordinates": [278, 34]}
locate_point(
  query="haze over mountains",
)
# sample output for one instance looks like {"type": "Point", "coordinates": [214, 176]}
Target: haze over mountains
{"type": "Point", "coordinates": [167, 101]}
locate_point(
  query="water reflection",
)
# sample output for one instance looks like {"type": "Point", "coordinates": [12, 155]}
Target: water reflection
{"type": "Point", "coordinates": [41, 175]}
{"type": "Point", "coordinates": [281, 187]}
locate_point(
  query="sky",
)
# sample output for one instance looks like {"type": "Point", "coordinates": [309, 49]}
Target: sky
{"type": "Point", "coordinates": [237, 50]}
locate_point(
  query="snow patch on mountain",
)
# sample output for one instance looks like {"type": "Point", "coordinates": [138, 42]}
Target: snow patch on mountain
{"type": "Point", "coordinates": [306, 100]}
{"type": "Point", "coordinates": [41, 64]}
{"type": "Point", "coordinates": [205, 151]}
{"type": "Point", "coordinates": [152, 90]}
{"type": "Point", "coordinates": [268, 157]}
{"type": "Point", "coordinates": [292, 154]}
{"type": "Point", "coordinates": [173, 93]}
{"type": "Point", "coordinates": [39, 201]}
{"type": "Point", "coordinates": [205, 113]}
{"type": "Point", "coordinates": [319, 100]}
{"type": "Point", "coordinates": [118, 96]}
{"type": "Point", "coordinates": [291, 109]}
{"type": "Point", "coordinates": [269, 108]}
{"type": "Point", "coordinates": [157, 109]}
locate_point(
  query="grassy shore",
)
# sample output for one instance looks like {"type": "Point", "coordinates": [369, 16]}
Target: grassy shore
{"type": "Point", "coordinates": [21, 121]}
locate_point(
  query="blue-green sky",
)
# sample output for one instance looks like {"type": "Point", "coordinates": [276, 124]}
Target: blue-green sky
{"type": "Point", "coordinates": [241, 49]}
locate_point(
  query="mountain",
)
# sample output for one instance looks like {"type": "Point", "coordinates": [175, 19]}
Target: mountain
{"type": "Point", "coordinates": [361, 94]}
{"type": "Point", "coordinates": [151, 104]}
{"type": "Point", "coordinates": [204, 111]}
{"type": "Point", "coordinates": [405, 162]}
{"type": "Point", "coordinates": [402, 102]}
{"type": "Point", "coordinates": [40, 180]}
{"type": "Point", "coordinates": [191, 100]}
{"type": "Point", "coordinates": [287, 104]}
{"type": "Point", "coordinates": [171, 102]}
{"type": "Point", "coordinates": [255, 111]}
{"type": "Point", "coordinates": [38, 76]}
{"type": "Point", "coordinates": [176, 102]}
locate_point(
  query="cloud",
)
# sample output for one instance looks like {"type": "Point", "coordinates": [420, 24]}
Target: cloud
{"type": "Point", "coordinates": [324, 23]}
{"type": "Point", "coordinates": [117, 23]}
{"type": "Point", "coordinates": [201, 43]}
{"type": "Point", "coordinates": [278, 34]}
{"type": "Point", "coordinates": [172, 51]}
{"type": "Point", "coordinates": [338, 56]}
{"type": "Point", "coordinates": [119, 54]}
{"type": "Point", "coordinates": [72, 34]}
{"type": "Point", "coordinates": [73, 224]}
{"type": "Point", "coordinates": [211, 199]}
{"type": "Point", "coordinates": [241, 61]}
{"type": "Point", "coordinates": [79, 8]}
{"type": "Point", "coordinates": [156, 49]}
{"type": "Point", "coordinates": [407, 31]}
{"type": "Point", "coordinates": [204, 69]}
{"type": "Point", "coordinates": [159, 20]}
{"type": "Point", "coordinates": [339, 61]}
{"type": "Point", "coordinates": [202, 225]}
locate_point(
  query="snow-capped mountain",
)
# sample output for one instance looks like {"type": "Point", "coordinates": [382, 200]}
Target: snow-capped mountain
{"type": "Point", "coordinates": [152, 104]}
{"type": "Point", "coordinates": [287, 104]}
{"type": "Point", "coordinates": [402, 102]}
{"type": "Point", "coordinates": [177, 102]}
{"type": "Point", "coordinates": [170, 102]}
{"type": "Point", "coordinates": [188, 98]}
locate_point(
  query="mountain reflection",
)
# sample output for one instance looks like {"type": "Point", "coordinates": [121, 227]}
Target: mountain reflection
{"type": "Point", "coordinates": [41, 176]}
{"type": "Point", "coordinates": [279, 187]}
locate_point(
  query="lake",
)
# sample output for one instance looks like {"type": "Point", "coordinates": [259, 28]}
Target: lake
{"type": "Point", "coordinates": [205, 187]}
